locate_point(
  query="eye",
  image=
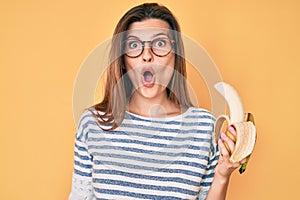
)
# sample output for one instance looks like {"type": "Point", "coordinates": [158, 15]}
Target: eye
{"type": "Point", "coordinates": [133, 44]}
{"type": "Point", "coordinates": [160, 42]}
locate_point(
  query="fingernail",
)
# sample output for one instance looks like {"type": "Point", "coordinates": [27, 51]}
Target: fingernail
{"type": "Point", "coordinates": [220, 140]}
{"type": "Point", "coordinates": [231, 128]}
{"type": "Point", "coordinates": [223, 134]}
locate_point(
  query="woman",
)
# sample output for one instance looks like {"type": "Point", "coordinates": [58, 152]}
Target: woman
{"type": "Point", "coordinates": [145, 140]}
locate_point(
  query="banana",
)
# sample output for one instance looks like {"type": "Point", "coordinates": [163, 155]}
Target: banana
{"type": "Point", "coordinates": [233, 100]}
{"type": "Point", "coordinates": [242, 122]}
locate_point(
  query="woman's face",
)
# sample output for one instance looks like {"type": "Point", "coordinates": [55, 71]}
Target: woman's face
{"type": "Point", "coordinates": [150, 70]}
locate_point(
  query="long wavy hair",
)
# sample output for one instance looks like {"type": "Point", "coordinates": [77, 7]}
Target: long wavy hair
{"type": "Point", "coordinates": [110, 111]}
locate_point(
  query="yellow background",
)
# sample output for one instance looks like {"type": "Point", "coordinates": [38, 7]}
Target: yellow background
{"type": "Point", "coordinates": [255, 45]}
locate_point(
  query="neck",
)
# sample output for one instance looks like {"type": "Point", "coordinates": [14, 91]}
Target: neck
{"type": "Point", "coordinates": [159, 106]}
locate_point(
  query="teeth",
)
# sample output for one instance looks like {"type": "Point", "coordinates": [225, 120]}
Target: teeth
{"type": "Point", "coordinates": [244, 127]}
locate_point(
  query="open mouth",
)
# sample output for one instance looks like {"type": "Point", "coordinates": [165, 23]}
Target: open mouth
{"type": "Point", "coordinates": [148, 77]}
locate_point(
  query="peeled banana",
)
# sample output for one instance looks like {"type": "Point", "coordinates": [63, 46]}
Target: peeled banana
{"type": "Point", "coordinates": [242, 122]}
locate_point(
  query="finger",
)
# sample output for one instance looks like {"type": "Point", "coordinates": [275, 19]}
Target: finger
{"type": "Point", "coordinates": [236, 165]}
{"type": "Point", "coordinates": [232, 131]}
{"type": "Point", "coordinates": [228, 141]}
{"type": "Point", "coordinates": [223, 151]}
{"type": "Point", "coordinates": [243, 161]}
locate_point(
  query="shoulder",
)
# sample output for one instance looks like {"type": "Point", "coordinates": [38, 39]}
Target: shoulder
{"type": "Point", "coordinates": [94, 119]}
{"type": "Point", "coordinates": [201, 118]}
{"type": "Point", "coordinates": [200, 113]}
{"type": "Point", "coordinates": [205, 121]}
{"type": "Point", "coordinates": [86, 117]}
{"type": "Point", "coordinates": [87, 121]}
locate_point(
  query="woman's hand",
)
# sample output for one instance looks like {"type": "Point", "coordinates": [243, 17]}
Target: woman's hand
{"type": "Point", "coordinates": [225, 167]}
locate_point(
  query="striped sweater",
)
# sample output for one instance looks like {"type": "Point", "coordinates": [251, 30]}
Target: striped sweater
{"type": "Point", "coordinates": [145, 158]}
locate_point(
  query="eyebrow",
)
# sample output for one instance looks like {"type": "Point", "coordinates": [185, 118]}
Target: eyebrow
{"type": "Point", "coordinates": [155, 35]}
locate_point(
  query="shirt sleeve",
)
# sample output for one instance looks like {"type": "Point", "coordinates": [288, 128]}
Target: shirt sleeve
{"type": "Point", "coordinates": [83, 163]}
{"type": "Point", "coordinates": [212, 163]}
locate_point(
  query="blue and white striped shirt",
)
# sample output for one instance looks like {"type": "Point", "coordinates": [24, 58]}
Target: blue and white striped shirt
{"type": "Point", "coordinates": [145, 158]}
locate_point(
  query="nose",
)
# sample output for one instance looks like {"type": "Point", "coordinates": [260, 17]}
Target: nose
{"type": "Point", "coordinates": [147, 54]}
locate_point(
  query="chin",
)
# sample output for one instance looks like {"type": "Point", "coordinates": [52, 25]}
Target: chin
{"type": "Point", "coordinates": [151, 92]}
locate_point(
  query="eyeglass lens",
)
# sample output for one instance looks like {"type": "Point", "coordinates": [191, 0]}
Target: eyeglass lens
{"type": "Point", "coordinates": [159, 46]}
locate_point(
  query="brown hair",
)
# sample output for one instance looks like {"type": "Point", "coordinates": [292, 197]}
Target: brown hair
{"type": "Point", "coordinates": [118, 89]}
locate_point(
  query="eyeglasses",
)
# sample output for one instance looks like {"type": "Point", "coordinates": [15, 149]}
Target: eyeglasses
{"type": "Point", "coordinates": [134, 47]}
